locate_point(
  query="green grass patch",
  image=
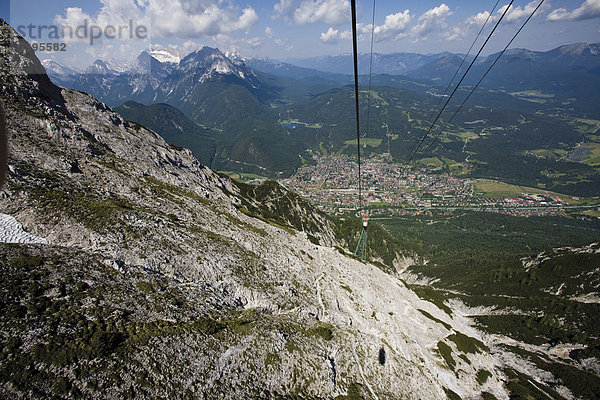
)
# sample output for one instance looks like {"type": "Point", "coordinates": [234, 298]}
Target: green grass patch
{"type": "Point", "coordinates": [467, 344]}
{"type": "Point", "coordinates": [371, 142]}
{"type": "Point", "coordinates": [347, 288]}
{"type": "Point", "coordinates": [483, 375]}
{"type": "Point", "coordinates": [553, 154]}
{"type": "Point", "coordinates": [145, 287]}
{"type": "Point", "coordinates": [445, 352]}
{"type": "Point", "coordinates": [592, 158]}
{"type": "Point", "coordinates": [451, 395]}
{"type": "Point", "coordinates": [496, 190]}
{"type": "Point", "coordinates": [430, 162]}
{"type": "Point", "coordinates": [323, 149]}
{"type": "Point", "coordinates": [520, 386]}
{"type": "Point", "coordinates": [323, 332]}
{"type": "Point", "coordinates": [241, 176]}
{"type": "Point", "coordinates": [432, 295]}
{"type": "Point", "coordinates": [431, 317]}
{"type": "Point", "coordinates": [272, 359]}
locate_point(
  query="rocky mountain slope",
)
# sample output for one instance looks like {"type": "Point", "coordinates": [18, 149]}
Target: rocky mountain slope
{"type": "Point", "coordinates": [161, 278]}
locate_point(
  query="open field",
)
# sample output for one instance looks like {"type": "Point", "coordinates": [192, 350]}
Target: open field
{"type": "Point", "coordinates": [534, 96]}
{"type": "Point", "coordinates": [592, 213]}
{"type": "Point", "coordinates": [431, 161]}
{"type": "Point", "coordinates": [241, 176]}
{"type": "Point", "coordinates": [496, 190]}
{"type": "Point", "coordinates": [554, 154]}
{"type": "Point", "coordinates": [371, 142]}
{"type": "Point", "coordinates": [592, 158]}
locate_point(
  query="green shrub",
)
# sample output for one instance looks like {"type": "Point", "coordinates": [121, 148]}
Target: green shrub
{"type": "Point", "coordinates": [324, 332]}
{"type": "Point", "coordinates": [482, 376]}
{"type": "Point", "coordinates": [207, 326]}
{"type": "Point", "coordinates": [467, 344]}
{"type": "Point", "coordinates": [145, 287]}
{"type": "Point", "coordinates": [446, 352]}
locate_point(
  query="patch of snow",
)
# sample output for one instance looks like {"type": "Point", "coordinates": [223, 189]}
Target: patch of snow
{"type": "Point", "coordinates": [222, 68]}
{"type": "Point", "coordinates": [11, 231]}
{"type": "Point", "coordinates": [165, 56]}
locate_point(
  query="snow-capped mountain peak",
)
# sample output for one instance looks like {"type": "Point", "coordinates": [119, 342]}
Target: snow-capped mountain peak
{"type": "Point", "coordinates": [165, 56]}
{"type": "Point", "coordinates": [208, 61]}
{"type": "Point", "coordinates": [58, 68]}
{"type": "Point", "coordinates": [102, 68]}
{"type": "Point", "coordinates": [60, 74]}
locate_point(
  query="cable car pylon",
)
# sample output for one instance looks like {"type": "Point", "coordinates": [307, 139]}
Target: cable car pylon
{"type": "Point", "coordinates": [361, 246]}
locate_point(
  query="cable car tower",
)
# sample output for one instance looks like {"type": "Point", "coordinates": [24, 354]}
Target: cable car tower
{"type": "Point", "coordinates": [361, 246]}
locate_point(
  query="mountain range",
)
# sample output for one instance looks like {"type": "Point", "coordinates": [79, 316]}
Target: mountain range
{"type": "Point", "coordinates": [152, 276]}
{"type": "Point", "coordinates": [242, 103]}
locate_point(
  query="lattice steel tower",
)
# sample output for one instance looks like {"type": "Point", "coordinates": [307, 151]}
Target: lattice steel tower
{"type": "Point", "coordinates": [361, 246]}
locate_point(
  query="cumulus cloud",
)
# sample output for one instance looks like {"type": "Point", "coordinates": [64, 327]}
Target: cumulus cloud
{"type": "Point", "coordinates": [588, 10]}
{"type": "Point", "coordinates": [195, 18]}
{"type": "Point", "coordinates": [112, 14]}
{"type": "Point", "coordinates": [234, 46]}
{"type": "Point", "coordinates": [333, 36]}
{"type": "Point", "coordinates": [517, 13]}
{"type": "Point", "coordinates": [465, 28]}
{"type": "Point", "coordinates": [432, 20]}
{"type": "Point", "coordinates": [284, 8]}
{"type": "Point", "coordinates": [310, 11]}
{"type": "Point", "coordinates": [281, 42]}
{"type": "Point", "coordinates": [394, 27]}
{"type": "Point", "coordinates": [168, 18]}
{"type": "Point", "coordinates": [397, 26]}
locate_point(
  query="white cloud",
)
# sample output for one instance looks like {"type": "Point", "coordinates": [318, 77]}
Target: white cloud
{"type": "Point", "coordinates": [333, 36]}
{"type": "Point", "coordinates": [394, 27]}
{"type": "Point", "coordinates": [464, 29]}
{"type": "Point", "coordinates": [113, 14]}
{"type": "Point", "coordinates": [283, 43]}
{"type": "Point", "coordinates": [180, 50]}
{"type": "Point", "coordinates": [284, 8]}
{"type": "Point", "coordinates": [196, 18]}
{"type": "Point", "coordinates": [310, 11]}
{"type": "Point", "coordinates": [234, 45]}
{"type": "Point", "coordinates": [588, 10]}
{"type": "Point", "coordinates": [168, 18]}
{"type": "Point", "coordinates": [517, 13]}
{"type": "Point", "coordinates": [432, 20]}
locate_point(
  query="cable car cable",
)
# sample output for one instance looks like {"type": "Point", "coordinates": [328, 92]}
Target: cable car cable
{"type": "Point", "coordinates": [354, 49]}
{"type": "Point", "coordinates": [458, 84]}
{"type": "Point", "coordinates": [465, 57]}
{"type": "Point", "coordinates": [489, 69]}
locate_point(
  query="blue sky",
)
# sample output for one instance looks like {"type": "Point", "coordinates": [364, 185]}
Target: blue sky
{"type": "Point", "coordinates": [286, 29]}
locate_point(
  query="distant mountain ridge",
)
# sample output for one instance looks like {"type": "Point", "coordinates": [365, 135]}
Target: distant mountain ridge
{"type": "Point", "coordinates": [580, 57]}
{"type": "Point", "coordinates": [243, 103]}
{"type": "Point", "coordinates": [392, 64]}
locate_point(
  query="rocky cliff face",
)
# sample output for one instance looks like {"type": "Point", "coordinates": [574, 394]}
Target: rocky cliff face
{"type": "Point", "coordinates": [163, 279]}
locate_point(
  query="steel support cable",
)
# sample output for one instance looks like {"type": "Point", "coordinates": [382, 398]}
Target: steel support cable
{"type": "Point", "coordinates": [354, 49]}
{"type": "Point", "coordinates": [465, 57]}
{"type": "Point", "coordinates": [458, 84]}
{"type": "Point", "coordinates": [490, 68]}
{"type": "Point", "coordinates": [370, 96]}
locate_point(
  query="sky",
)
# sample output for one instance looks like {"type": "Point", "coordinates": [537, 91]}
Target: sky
{"type": "Point", "coordinates": [119, 30]}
